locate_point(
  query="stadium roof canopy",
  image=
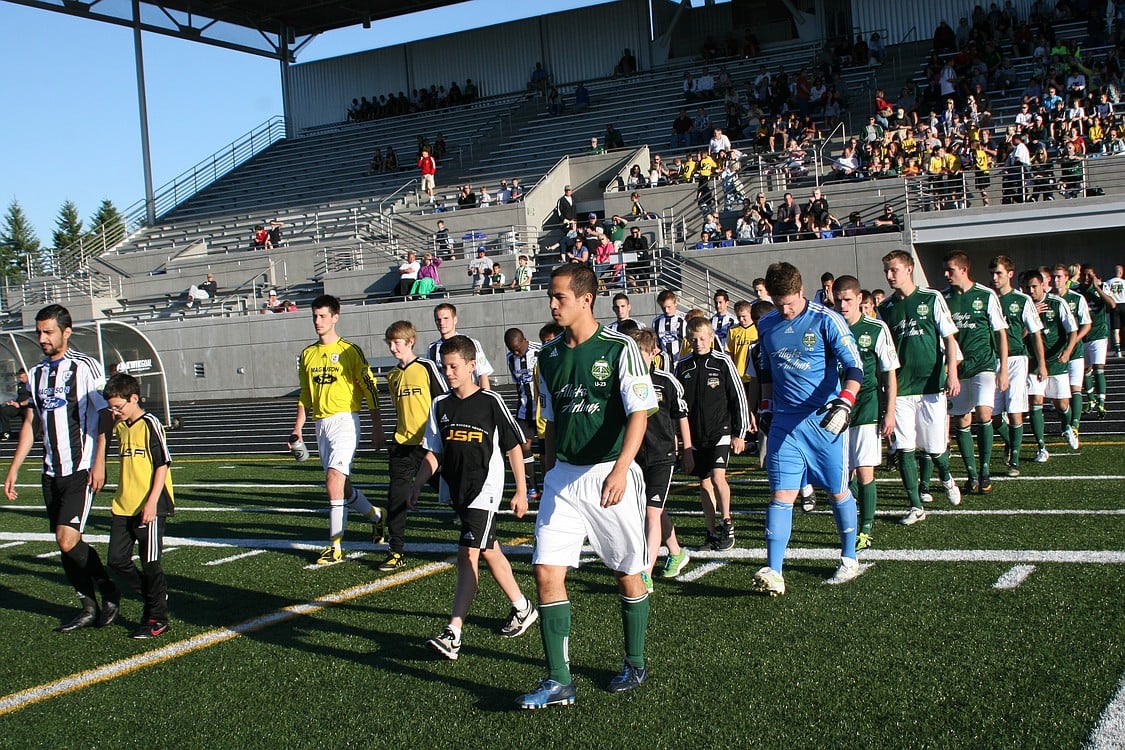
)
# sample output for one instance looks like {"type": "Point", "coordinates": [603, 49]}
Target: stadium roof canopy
{"type": "Point", "coordinates": [272, 28]}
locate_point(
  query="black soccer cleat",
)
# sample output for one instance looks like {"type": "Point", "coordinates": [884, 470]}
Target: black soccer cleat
{"type": "Point", "coordinates": [85, 619]}
{"type": "Point", "coordinates": [111, 605]}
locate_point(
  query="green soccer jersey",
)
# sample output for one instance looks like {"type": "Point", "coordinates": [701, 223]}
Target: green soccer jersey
{"type": "Point", "coordinates": [976, 313]}
{"type": "Point", "coordinates": [1099, 313]}
{"type": "Point", "coordinates": [918, 323]}
{"type": "Point", "coordinates": [589, 390]}
{"type": "Point", "coordinates": [1058, 322]}
{"type": "Point", "coordinates": [877, 353]}
{"type": "Point", "coordinates": [1081, 312]}
{"type": "Point", "coordinates": [1023, 320]}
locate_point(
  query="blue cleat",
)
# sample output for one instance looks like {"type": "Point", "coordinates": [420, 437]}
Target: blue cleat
{"type": "Point", "coordinates": [549, 693]}
{"type": "Point", "coordinates": [631, 677]}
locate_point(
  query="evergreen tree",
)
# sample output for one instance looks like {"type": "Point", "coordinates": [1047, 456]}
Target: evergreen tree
{"type": "Point", "coordinates": [18, 244]}
{"type": "Point", "coordinates": [69, 226]}
{"type": "Point", "coordinates": [107, 228]}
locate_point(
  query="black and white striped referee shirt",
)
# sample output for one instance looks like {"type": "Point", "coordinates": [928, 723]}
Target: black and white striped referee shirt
{"type": "Point", "coordinates": [522, 368]}
{"type": "Point", "coordinates": [66, 395]}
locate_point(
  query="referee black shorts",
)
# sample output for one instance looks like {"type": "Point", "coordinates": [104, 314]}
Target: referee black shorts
{"type": "Point", "coordinates": [68, 500]}
{"type": "Point", "coordinates": [710, 457]}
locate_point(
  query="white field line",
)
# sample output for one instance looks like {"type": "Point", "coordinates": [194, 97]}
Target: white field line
{"type": "Point", "coordinates": [239, 556]}
{"type": "Point", "coordinates": [702, 570]}
{"type": "Point", "coordinates": [1095, 557]}
{"type": "Point", "coordinates": [10, 544]}
{"type": "Point", "coordinates": [1013, 577]}
{"type": "Point", "coordinates": [349, 556]}
{"type": "Point", "coordinates": [53, 553]}
{"type": "Point", "coordinates": [1109, 732]}
{"type": "Point", "coordinates": [16, 701]}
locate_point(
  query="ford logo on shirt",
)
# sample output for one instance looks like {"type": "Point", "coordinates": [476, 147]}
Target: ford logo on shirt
{"type": "Point", "coordinates": [52, 403]}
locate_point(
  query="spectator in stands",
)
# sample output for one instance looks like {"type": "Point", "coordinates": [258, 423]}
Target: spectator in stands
{"type": "Point", "coordinates": [945, 39]}
{"type": "Point", "coordinates": [626, 66]}
{"type": "Point", "coordinates": [704, 241]}
{"type": "Point", "coordinates": [855, 225]}
{"type": "Point", "coordinates": [554, 102]}
{"type": "Point", "coordinates": [390, 161]}
{"type": "Point", "coordinates": [440, 149]}
{"type": "Point", "coordinates": [479, 269]}
{"type": "Point", "coordinates": [848, 166]}
{"type": "Point", "coordinates": [1071, 172]}
{"type": "Point", "coordinates": [521, 279]}
{"type": "Point", "coordinates": [539, 81]}
{"type": "Point", "coordinates": [496, 280]}
{"type": "Point", "coordinates": [428, 279]}
{"type": "Point", "coordinates": [484, 198]}
{"type": "Point", "coordinates": [580, 253]}
{"type": "Point", "coordinates": [701, 127]}
{"type": "Point", "coordinates": [1019, 163]}
{"type": "Point", "coordinates": [876, 49]}
{"type": "Point", "coordinates": [466, 198]}
{"type": "Point", "coordinates": [681, 130]}
{"type": "Point", "coordinates": [207, 290]}
{"type": "Point", "coordinates": [719, 142]}
{"type": "Point", "coordinates": [470, 92]}
{"type": "Point", "coordinates": [428, 167]}
{"type": "Point", "coordinates": [595, 148]}
{"type": "Point", "coordinates": [705, 85]}
{"type": "Point", "coordinates": [1113, 145]}
{"type": "Point", "coordinates": [516, 191]}
{"type": "Point", "coordinates": [566, 208]}
{"type": "Point", "coordinates": [613, 138]}
{"type": "Point", "coordinates": [274, 232]}
{"type": "Point", "coordinates": [441, 239]}
{"type": "Point", "coordinates": [581, 97]}
{"type": "Point", "coordinates": [889, 221]}
{"type": "Point", "coordinates": [636, 178]}
{"type": "Point", "coordinates": [261, 239]}
{"type": "Point", "coordinates": [408, 273]}
{"type": "Point", "coordinates": [376, 163]}
{"type": "Point", "coordinates": [788, 218]}
{"type": "Point", "coordinates": [272, 304]}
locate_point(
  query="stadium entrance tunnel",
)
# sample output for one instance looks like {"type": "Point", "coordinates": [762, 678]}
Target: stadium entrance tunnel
{"type": "Point", "coordinates": [120, 347]}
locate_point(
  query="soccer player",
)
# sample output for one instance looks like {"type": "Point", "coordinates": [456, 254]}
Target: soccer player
{"type": "Point", "coordinates": [670, 327]}
{"type": "Point", "coordinates": [596, 397]}
{"type": "Point", "coordinates": [143, 501]}
{"type": "Point", "coordinates": [1115, 287]}
{"type": "Point", "coordinates": [66, 399]}
{"type": "Point", "coordinates": [445, 319]}
{"type": "Point", "coordinates": [1024, 328]}
{"type": "Point", "coordinates": [335, 380]}
{"type": "Point", "coordinates": [873, 416]}
{"type": "Point", "coordinates": [803, 348]}
{"type": "Point", "coordinates": [657, 459]}
{"type": "Point", "coordinates": [760, 292]}
{"type": "Point", "coordinates": [413, 384]}
{"type": "Point", "coordinates": [1080, 309]}
{"type": "Point", "coordinates": [722, 320]}
{"type": "Point", "coordinates": [467, 432]}
{"type": "Point", "coordinates": [719, 420]}
{"type": "Point", "coordinates": [622, 310]}
{"type": "Point", "coordinates": [521, 358]}
{"type": "Point", "coordinates": [976, 313]}
{"type": "Point", "coordinates": [1100, 302]}
{"type": "Point", "coordinates": [926, 342]}
{"type": "Point", "coordinates": [1060, 336]}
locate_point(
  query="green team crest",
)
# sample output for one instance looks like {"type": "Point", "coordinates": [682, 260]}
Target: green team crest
{"type": "Point", "coordinates": [809, 340]}
{"type": "Point", "coordinates": [601, 370]}
{"type": "Point", "coordinates": [1014, 308]}
{"type": "Point", "coordinates": [978, 304]}
{"type": "Point", "coordinates": [923, 310]}
{"type": "Point", "coordinates": [865, 340]}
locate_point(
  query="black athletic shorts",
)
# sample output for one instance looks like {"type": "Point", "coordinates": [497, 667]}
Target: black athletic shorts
{"type": "Point", "coordinates": [68, 500]}
{"type": "Point", "coordinates": [709, 457]}
{"type": "Point", "coordinates": [658, 481]}
{"type": "Point", "coordinates": [478, 528]}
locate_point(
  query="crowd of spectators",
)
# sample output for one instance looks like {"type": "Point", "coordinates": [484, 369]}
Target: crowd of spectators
{"type": "Point", "coordinates": [420, 100]}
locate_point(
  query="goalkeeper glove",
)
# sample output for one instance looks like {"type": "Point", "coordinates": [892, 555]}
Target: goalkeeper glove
{"type": "Point", "coordinates": [836, 412]}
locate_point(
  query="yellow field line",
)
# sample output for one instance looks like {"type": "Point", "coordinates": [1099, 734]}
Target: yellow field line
{"type": "Point", "coordinates": [24, 698]}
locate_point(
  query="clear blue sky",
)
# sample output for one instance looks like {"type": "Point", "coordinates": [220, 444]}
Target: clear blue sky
{"type": "Point", "coordinates": [71, 130]}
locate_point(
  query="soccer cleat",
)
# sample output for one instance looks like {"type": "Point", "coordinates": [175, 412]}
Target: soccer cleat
{"type": "Point", "coordinates": [1071, 438]}
{"type": "Point", "coordinates": [447, 644]}
{"type": "Point", "coordinates": [533, 494]}
{"type": "Point", "coordinates": [711, 543]}
{"type": "Point", "coordinates": [518, 622]}
{"type": "Point", "coordinates": [379, 526]}
{"type": "Point", "coordinates": [769, 581]}
{"type": "Point", "coordinates": [808, 499]}
{"type": "Point", "coordinates": [629, 678]}
{"type": "Point", "coordinates": [846, 571]}
{"type": "Point", "coordinates": [111, 605]}
{"type": "Point", "coordinates": [675, 564]}
{"type": "Point", "coordinates": [548, 693]}
{"type": "Point", "coordinates": [915, 515]}
{"type": "Point", "coordinates": [984, 486]}
{"type": "Point", "coordinates": [970, 487]}
{"type": "Point", "coordinates": [1041, 456]}
{"type": "Point", "coordinates": [84, 619]}
{"type": "Point", "coordinates": [725, 539]}
{"type": "Point", "coordinates": [952, 492]}
{"type": "Point", "coordinates": [1013, 470]}
{"type": "Point", "coordinates": [150, 628]}
{"type": "Point", "coordinates": [925, 495]}
{"type": "Point", "coordinates": [863, 541]}
{"type": "Point", "coordinates": [646, 579]}
{"type": "Point", "coordinates": [330, 556]}
{"type": "Point", "coordinates": [394, 561]}
{"type": "Point", "coordinates": [1099, 410]}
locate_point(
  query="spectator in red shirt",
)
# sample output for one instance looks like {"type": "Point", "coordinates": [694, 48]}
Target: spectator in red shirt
{"type": "Point", "coordinates": [428, 167]}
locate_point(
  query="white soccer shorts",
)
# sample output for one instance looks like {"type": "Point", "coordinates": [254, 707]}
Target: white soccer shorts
{"type": "Point", "coordinates": [570, 512]}
{"type": "Point", "coordinates": [979, 390]}
{"type": "Point", "coordinates": [337, 437]}
{"type": "Point", "coordinates": [1095, 352]}
{"type": "Point", "coordinates": [921, 423]}
{"type": "Point", "coordinates": [865, 447]}
{"type": "Point", "coordinates": [1055, 386]}
{"type": "Point", "coordinates": [1013, 400]}
{"type": "Point", "coordinates": [1077, 371]}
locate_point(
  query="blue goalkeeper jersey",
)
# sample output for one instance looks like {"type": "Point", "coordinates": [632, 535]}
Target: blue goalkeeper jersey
{"type": "Point", "coordinates": [804, 357]}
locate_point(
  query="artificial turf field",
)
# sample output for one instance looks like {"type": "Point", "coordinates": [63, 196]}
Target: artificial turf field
{"type": "Point", "coordinates": [922, 650]}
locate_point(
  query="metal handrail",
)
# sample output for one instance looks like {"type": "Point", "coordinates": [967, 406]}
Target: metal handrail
{"type": "Point", "coordinates": [820, 149]}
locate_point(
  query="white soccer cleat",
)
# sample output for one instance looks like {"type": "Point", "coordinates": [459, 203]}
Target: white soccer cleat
{"type": "Point", "coordinates": [846, 571]}
{"type": "Point", "coordinates": [1071, 438]}
{"type": "Point", "coordinates": [1041, 456]}
{"type": "Point", "coordinates": [925, 496]}
{"type": "Point", "coordinates": [769, 581]}
{"type": "Point", "coordinates": [916, 515]}
{"type": "Point", "coordinates": [952, 491]}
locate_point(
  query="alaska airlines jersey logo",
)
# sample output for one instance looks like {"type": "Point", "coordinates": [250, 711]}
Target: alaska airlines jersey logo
{"type": "Point", "coordinates": [53, 398]}
{"type": "Point", "coordinates": [601, 371]}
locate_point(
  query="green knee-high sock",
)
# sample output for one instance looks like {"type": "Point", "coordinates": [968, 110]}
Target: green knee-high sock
{"type": "Point", "coordinates": [554, 627]}
{"type": "Point", "coordinates": [984, 447]}
{"type": "Point", "coordinates": [941, 461]}
{"type": "Point", "coordinates": [1038, 428]}
{"type": "Point", "coordinates": [1004, 431]}
{"type": "Point", "coordinates": [965, 445]}
{"type": "Point", "coordinates": [1016, 442]}
{"type": "Point", "coordinates": [1088, 384]}
{"type": "Point", "coordinates": [867, 499]}
{"type": "Point", "coordinates": [908, 467]}
{"type": "Point", "coordinates": [1075, 409]}
{"type": "Point", "coordinates": [925, 470]}
{"type": "Point", "coordinates": [634, 621]}
{"type": "Point", "coordinates": [853, 486]}
{"type": "Point", "coordinates": [1065, 414]}
{"type": "Point", "coordinates": [1099, 385]}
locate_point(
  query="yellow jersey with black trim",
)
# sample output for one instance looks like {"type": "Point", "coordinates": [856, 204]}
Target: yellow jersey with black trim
{"type": "Point", "coordinates": [336, 379]}
{"type": "Point", "coordinates": [739, 340]}
{"type": "Point", "coordinates": [143, 449]}
{"type": "Point", "coordinates": [413, 388]}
